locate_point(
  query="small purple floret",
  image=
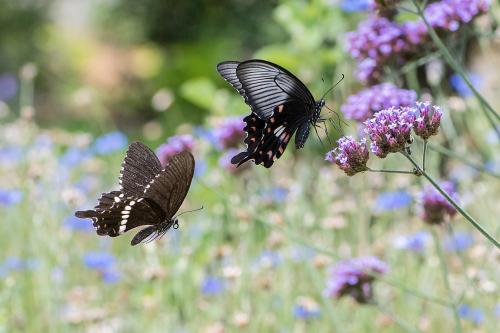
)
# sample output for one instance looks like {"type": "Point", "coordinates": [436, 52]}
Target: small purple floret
{"type": "Point", "coordinates": [427, 120]}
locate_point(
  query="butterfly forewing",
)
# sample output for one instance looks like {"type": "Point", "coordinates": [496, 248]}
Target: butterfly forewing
{"type": "Point", "coordinates": [169, 188]}
{"type": "Point", "coordinates": [139, 167]}
{"type": "Point", "coordinates": [227, 70]}
{"type": "Point", "coordinates": [124, 215]}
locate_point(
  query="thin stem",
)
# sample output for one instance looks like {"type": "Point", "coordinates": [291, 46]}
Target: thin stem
{"type": "Point", "coordinates": [453, 202]}
{"type": "Point", "coordinates": [444, 272]}
{"type": "Point", "coordinates": [403, 324]}
{"type": "Point", "coordinates": [424, 155]}
{"type": "Point", "coordinates": [393, 171]}
{"type": "Point", "coordinates": [456, 67]}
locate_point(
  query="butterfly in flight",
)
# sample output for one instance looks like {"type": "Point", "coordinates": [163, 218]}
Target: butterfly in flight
{"type": "Point", "coordinates": [281, 105]}
{"type": "Point", "coordinates": [149, 195]}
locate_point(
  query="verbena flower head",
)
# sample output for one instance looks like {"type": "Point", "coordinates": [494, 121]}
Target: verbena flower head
{"type": "Point", "coordinates": [365, 103]}
{"type": "Point", "coordinates": [389, 130]}
{"type": "Point", "coordinates": [451, 14]}
{"type": "Point", "coordinates": [230, 132]}
{"type": "Point", "coordinates": [436, 209]}
{"type": "Point", "coordinates": [350, 155]}
{"type": "Point", "coordinates": [109, 143]}
{"type": "Point", "coordinates": [427, 120]}
{"type": "Point", "coordinates": [174, 145]}
{"type": "Point", "coordinates": [354, 277]}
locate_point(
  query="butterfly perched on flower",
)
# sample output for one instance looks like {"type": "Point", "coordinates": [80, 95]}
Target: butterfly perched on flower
{"type": "Point", "coordinates": [149, 195]}
{"type": "Point", "coordinates": [281, 106]}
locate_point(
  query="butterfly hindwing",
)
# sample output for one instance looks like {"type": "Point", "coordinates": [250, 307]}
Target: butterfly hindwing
{"type": "Point", "coordinates": [169, 187]}
{"type": "Point", "coordinates": [124, 215]}
{"type": "Point", "coordinates": [139, 167]}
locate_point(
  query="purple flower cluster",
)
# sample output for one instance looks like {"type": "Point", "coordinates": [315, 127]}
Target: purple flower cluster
{"type": "Point", "coordinates": [365, 103]}
{"type": "Point", "coordinates": [427, 120]}
{"type": "Point", "coordinates": [174, 145]}
{"type": "Point", "coordinates": [390, 130]}
{"type": "Point", "coordinates": [435, 207]}
{"type": "Point", "coordinates": [351, 156]}
{"type": "Point", "coordinates": [379, 39]}
{"type": "Point", "coordinates": [354, 277]}
{"type": "Point", "coordinates": [230, 132]}
{"type": "Point", "coordinates": [450, 14]}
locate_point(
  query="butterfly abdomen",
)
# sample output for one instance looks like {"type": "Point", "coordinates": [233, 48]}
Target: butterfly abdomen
{"type": "Point", "coordinates": [302, 135]}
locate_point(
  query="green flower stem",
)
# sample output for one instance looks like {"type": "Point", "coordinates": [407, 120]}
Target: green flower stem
{"type": "Point", "coordinates": [393, 171]}
{"type": "Point", "coordinates": [452, 202]}
{"type": "Point", "coordinates": [424, 154]}
{"type": "Point", "coordinates": [451, 153]}
{"type": "Point", "coordinates": [457, 68]}
{"type": "Point", "coordinates": [444, 272]}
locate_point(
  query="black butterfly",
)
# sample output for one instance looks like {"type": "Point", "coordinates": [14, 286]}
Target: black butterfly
{"type": "Point", "coordinates": [149, 195]}
{"type": "Point", "coordinates": [281, 104]}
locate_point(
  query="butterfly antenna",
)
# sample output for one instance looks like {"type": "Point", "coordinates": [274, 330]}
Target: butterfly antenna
{"type": "Point", "coordinates": [190, 211]}
{"type": "Point", "coordinates": [333, 87]}
{"type": "Point", "coordinates": [315, 130]}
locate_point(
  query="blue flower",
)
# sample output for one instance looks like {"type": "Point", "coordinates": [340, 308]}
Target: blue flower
{"type": "Point", "coordinates": [303, 253]}
{"type": "Point", "coordinates": [351, 6]}
{"type": "Point", "coordinates": [458, 242]}
{"type": "Point", "coordinates": [212, 285]}
{"type": "Point", "coordinates": [415, 242]}
{"type": "Point", "coordinates": [8, 86]}
{"type": "Point", "coordinates": [474, 315]}
{"type": "Point", "coordinates": [101, 261]}
{"type": "Point", "coordinates": [16, 264]}
{"type": "Point", "coordinates": [496, 311]}
{"type": "Point", "coordinates": [306, 308]}
{"type": "Point", "coordinates": [275, 195]}
{"type": "Point", "coordinates": [459, 85]}
{"type": "Point", "coordinates": [74, 156]}
{"type": "Point", "coordinates": [109, 143]}
{"type": "Point", "coordinates": [73, 223]}
{"type": "Point", "coordinates": [10, 155]}
{"type": "Point", "coordinates": [111, 276]}
{"type": "Point", "coordinates": [269, 258]}
{"type": "Point", "coordinates": [10, 197]}
{"type": "Point", "coordinates": [387, 201]}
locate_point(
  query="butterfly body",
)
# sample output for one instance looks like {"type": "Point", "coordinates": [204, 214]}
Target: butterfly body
{"type": "Point", "coordinates": [281, 106]}
{"type": "Point", "coordinates": [149, 195]}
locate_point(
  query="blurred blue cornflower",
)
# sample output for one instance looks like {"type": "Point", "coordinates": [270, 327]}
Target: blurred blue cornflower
{"type": "Point", "coordinates": [8, 86]}
{"type": "Point", "coordinates": [354, 277]}
{"type": "Point", "coordinates": [16, 264]}
{"type": "Point", "coordinates": [268, 259]}
{"type": "Point", "coordinates": [10, 197]}
{"type": "Point", "coordinates": [104, 263]}
{"type": "Point", "coordinates": [415, 242]}
{"type": "Point", "coordinates": [74, 156]}
{"type": "Point", "coordinates": [496, 311]}
{"type": "Point", "coordinates": [387, 201]}
{"type": "Point", "coordinates": [110, 142]}
{"type": "Point", "coordinates": [200, 167]}
{"type": "Point", "coordinates": [71, 222]}
{"type": "Point", "coordinates": [212, 285]}
{"type": "Point", "coordinates": [276, 195]}
{"type": "Point", "coordinates": [459, 85]}
{"type": "Point", "coordinates": [306, 308]}
{"type": "Point", "coordinates": [352, 6]}
{"type": "Point", "coordinates": [10, 155]}
{"type": "Point", "coordinates": [474, 315]}
{"type": "Point", "coordinates": [458, 242]}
